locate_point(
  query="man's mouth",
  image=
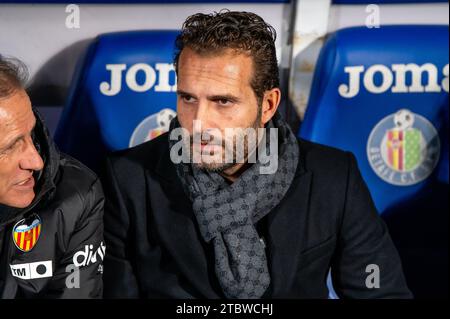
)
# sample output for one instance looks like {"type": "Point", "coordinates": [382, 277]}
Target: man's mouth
{"type": "Point", "coordinates": [26, 183]}
{"type": "Point", "coordinates": [208, 145]}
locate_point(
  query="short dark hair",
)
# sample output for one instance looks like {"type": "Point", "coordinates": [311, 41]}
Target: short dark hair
{"type": "Point", "coordinates": [13, 75]}
{"type": "Point", "coordinates": [243, 31]}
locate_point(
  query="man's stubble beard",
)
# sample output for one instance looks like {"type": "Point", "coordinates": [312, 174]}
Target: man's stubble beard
{"type": "Point", "coordinates": [221, 167]}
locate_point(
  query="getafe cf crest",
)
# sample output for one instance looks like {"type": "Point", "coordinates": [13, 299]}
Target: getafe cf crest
{"type": "Point", "coordinates": [403, 148]}
{"type": "Point", "coordinates": [26, 233]}
{"type": "Point", "coordinates": [152, 127]}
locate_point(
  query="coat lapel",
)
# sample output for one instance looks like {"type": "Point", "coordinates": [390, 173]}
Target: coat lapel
{"type": "Point", "coordinates": [286, 227]}
{"type": "Point", "coordinates": [179, 230]}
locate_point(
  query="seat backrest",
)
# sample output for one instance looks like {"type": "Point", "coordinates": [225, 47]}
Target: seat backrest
{"type": "Point", "coordinates": [123, 94]}
{"type": "Point", "coordinates": [383, 95]}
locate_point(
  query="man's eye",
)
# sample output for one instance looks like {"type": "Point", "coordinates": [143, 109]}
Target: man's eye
{"type": "Point", "coordinates": [188, 99]}
{"type": "Point", "coordinates": [10, 148]}
{"type": "Point", "coordinates": [224, 102]}
{"type": "Point", "coordinates": [16, 144]}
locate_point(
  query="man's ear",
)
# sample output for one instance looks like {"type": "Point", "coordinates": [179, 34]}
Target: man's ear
{"type": "Point", "coordinates": [270, 103]}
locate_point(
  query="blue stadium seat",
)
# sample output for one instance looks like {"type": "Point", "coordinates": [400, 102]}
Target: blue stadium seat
{"type": "Point", "coordinates": [123, 93]}
{"type": "Point", "coordinates": [383, 95]}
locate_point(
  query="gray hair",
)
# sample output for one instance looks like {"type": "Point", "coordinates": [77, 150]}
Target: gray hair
{"type": "Point", "coordinates": [13, 75]}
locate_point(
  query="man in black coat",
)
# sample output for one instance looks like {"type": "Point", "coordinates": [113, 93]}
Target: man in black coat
{"type": "Point", "coordinates": [182, 220]}
{"type": "Point", "coordinates": [51, 206]}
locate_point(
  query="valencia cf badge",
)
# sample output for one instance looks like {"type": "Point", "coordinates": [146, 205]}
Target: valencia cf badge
{"type": "Point", "coordinates": [26, 233]}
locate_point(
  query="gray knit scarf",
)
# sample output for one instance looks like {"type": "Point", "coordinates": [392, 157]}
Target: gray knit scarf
{"type": "Point", "coordinates": [227, 214]}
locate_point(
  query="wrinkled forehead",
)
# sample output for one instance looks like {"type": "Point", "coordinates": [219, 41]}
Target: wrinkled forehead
{"type": "Point", "coordinates": [226, 65]}
{"type": "Point", "coordinates": [16, 115]}
{"type": "Point", "coordinates": [220, 53]}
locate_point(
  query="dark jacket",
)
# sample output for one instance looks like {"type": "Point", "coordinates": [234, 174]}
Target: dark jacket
{"type": "Point", "coordinates": [69, 207]}
{"type": "Point", "coordinates": [326, 219]}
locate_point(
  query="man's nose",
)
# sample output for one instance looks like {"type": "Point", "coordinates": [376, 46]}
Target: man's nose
{"type": "Point", "coordinates": [202, 112]}
{"type": "Point", "coordinates": [31, 159]}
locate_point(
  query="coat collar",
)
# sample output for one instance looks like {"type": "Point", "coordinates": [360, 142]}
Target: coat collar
{"type": "Point", "coordinates": [180, 234]}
